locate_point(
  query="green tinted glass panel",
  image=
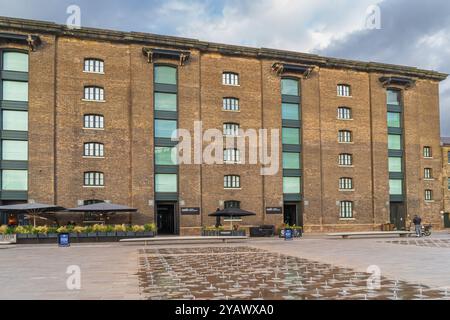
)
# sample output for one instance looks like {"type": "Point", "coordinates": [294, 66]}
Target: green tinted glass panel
{"type": "Point", "coordinates": [15, 180]}
{"type": "Point", "coordinates": [291, 185]}
{"type": "Point", "coordinates": [290, 111]}
{"type": "Point", "coordinates": [393, 119]}
{"type": "Point", "coordinates": [165, 156]}
{"type": "Point", "coordinates": [395, 164]}
{"type": "Point", "coordinates": [15, 61]}
{"type": "Point", "coordinates": [164, 128]}
{"type": "Point", "coordinates": [395, 187]}
{"type": "Point", "coordinates": [165, 75]}
{"type": "Point", "coordinates": [15, 120]}
{"type": "Point", "coordinates": [394, 142]}
{"type": "Point", "coordinates": [291, 160]}
{"type": "Point", "coordinates": [15, 91]}
{"type": "Point", "coordinates": [15, 150]}
{"type": "Point", "coordinates": [165, 101]}
{"type": "Point", "coordinates": [393, 97]}
{"type": "Point", "coordinates": [289, 87]}
{"type": "Point", "coordinates": [166, 183]}
{"type": "Point", "coordinates": [291, 136]}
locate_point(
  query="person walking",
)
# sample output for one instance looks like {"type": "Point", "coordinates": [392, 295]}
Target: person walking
{"type": "Point", "coordinates": [418, 224]}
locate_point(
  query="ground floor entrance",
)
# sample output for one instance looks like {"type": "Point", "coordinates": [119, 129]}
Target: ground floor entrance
{"type": "Point", "coordinates": [167, 220]}
{"type": "Point", "coordinates": [398, 215]}
{"type": "Point", "coordinates": [293, 214]}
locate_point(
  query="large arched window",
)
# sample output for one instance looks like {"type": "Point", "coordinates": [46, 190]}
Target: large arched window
{"type": "Point", "coordinates": [345, 136]}
{"type": "Point", "coordinates": [93, 65]}
{"type": "Point", "coordinates": [94, 149]}
{"type": "Point", "coordinates": [93, 93]}
{"type": "Point", "coordinates": [94, 121]}
{"type": "Point", "coordinates": [230, 79]}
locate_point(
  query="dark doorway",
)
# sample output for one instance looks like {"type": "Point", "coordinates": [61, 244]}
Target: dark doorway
{"type": "Point", "coordinates": [292, 214]}
{"type": "Point", "coordinates": [446, 220]}
{"type": "Point", "coordinates": [398, 216]}
{"type": "Point", "coordinates": [165, 218]}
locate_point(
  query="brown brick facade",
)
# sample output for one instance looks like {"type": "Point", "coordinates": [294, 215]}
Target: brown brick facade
{"type": "Point", "coordinates": [56, 134]}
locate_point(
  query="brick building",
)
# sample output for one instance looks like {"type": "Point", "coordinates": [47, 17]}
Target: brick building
{"type": "Point", "coordinates": [88, 114]}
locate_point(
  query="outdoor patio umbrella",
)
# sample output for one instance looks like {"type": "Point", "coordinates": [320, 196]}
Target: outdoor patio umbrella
{"type": "Point", "coordinates": [103, 208]}
{"type": "Point", "coordinates": [32, 209]}
{"type": "Point", "coordinates": [232, 213]}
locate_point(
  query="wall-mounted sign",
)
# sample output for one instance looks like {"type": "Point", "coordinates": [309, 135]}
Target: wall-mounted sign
{"type": "Point", "coordinates": [274, 210]}
{"type": "Point", "coordinates": [190, 211]}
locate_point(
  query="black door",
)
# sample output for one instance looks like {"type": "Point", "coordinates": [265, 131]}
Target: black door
{"type": "Point", "coordinates": [165, 218]}
{"type": "Point", "coordinates": [446, 220]}
{"type": "Point", "coordinates": [290, 214]}
{"type": "Point", "coordinates": [398, 217]}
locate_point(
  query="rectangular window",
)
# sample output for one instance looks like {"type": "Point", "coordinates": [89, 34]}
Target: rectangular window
{"type": "Point", "coordinates": [15, 91]}
{"type": "Point", "coordinates": [166, 156]}
{"type": "Point", "coordinates": [94, 94]}
{"type": "Point", "coordinates": [15, 120]}
{"type": "Point", "coordinates": [230, 182]}
{"type": "Point", "coordinates": [231, 129]}
{"type": "Point", "coordinates": [165, 75]}
{"type": "Point", "coordinates": [230, 104]}
{"type": "Point", "coordinates": [291, 160]}
{"type": "Point", "coordinates": [344, 113]}
{"type": "Point", "coordinates": [427, 152]}
{"type": "Point", "coordinates": [343, 90]}
{"type": "Point", "coordinates": [428, 173]}
{"type": "Point", "coordinates": [165, 128]}
{"type": "Point", "coordinates": [346, 209]}
{"type": "Point", "coordinates": [15, 180]}
{"type": "Point", "coordinates": [291, 136]}
{"type": "Point", "coordinates": [15, 150]}
{"type": "Point", "coordinates": [393, 119]}
{"type": "Point", "coordinates": [165, 101]}
{"type": "Point", "coordinates": [448, 183]}
{"type": "Point", "coordinates": [289, 87]}
{"type": "Point", "coordinates": [94, 179]}
{"type": "Point", "coordinates": [230, 79]}
{"type": "Point", "coordinates": [92, 121]}
{"type": "Point", "coordinates": [94, 150]}
{"type": "Point", "coordinates": [345, 136]}
{"type": "Point", "coordinates": [232, 155]}
{"type": "Point", "coordinates": [395, 164]}
{"type": "Point", "coordinates": [290, 111]}
{"type": "Point", "coordinates": [93, 65]}
{"type": "Point", "coordinates": [394, 142]}
{"type": "Point", "coordinates": [291, 185]}
{"type": "Point", "coordinates": [428, 195]}
{"type": "Point", "coordinates": [448, 157]}
{"type": "Point", "coordinates": [396, 187]}
{"type": "Point", "coordinates": [393, 97]}
{"type": "Point", "coordinates": [345, 159]}
{"type": "Point", "coordinates": [15, 61]}
{"type": "Point", "coordinates": [166, 183]}
{"type": "Point", "coordinates": [345, 183]}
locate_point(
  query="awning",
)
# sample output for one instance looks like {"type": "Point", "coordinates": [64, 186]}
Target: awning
{"type": "Point", "coordinates": [102, 207]}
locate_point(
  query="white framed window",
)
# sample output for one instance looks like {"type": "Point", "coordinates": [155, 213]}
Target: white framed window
{"type": "Point", "coordinates": [231, 182]}
{"type": "Point", "coordinates": [345, 136]}
{"type": "Point", "coordinates": [230, 79]}
{"type": "Point", "coordinates": [427, 152]}
{"type": "Point", "coordinates": [94, 149]}
{"type": "Point", "coordinates": [231, 104]}
{"type": "Point", "coordinates": [344, 113]}
{"type": "Point", "coordinates": [428, 173]}
{"type": "Point", "coordinates": [93, 65]}
{"type": "Point", "coordinates": [232, 155]}
{"type": "Point", "coordinates": [346, 209]}
{"type": "Point", "coordinates": [94, 94]}
{"type": "Point", "coordinates": [94, 179]}
{"type": "Point", "coordinates": [343, 90]}
{"type": "Point", "coordinates": [428, 195]}
{"type": "Point", "coordinates": [345, 159]}
{"type": "Point", "coordinates": [94, 121]}
{"type": "Point", "coordinates": [231, 129]}
{"type": "Point", "coordinates": [345, 183]}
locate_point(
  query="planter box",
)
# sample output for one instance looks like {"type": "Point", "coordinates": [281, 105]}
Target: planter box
{"type": "Point", "coordinates": [32, 236]}
{"type": "Point", "coordinates": [223, 233]}
{"type": "Point", "coordinates": [52, 235]}
{"type": "Point", "coordinates": [42, 236]}
{"type": "Point", "coordinates": [131, 234]}
{"type": "Point", "coordinates": [296, 233]}
{"type": "Point", "coordinates": [22, 236]}
{"type": "Point", "coordinates": [148, 234]}
{"type": "Point", "coordinates": [110, 234]}
{"type": "Point", "coordinates": [101, 234]}
{"type": "Point", "coordinates": [82, 235]}
{"type": "Point", "coordinates": [92, 234]}
{"type": "Point", "coordinates": [139, 234]}
{"type": "Point", "coordinates": [73, 235]}
{"type": "Point", "coordinates": [121, 234]}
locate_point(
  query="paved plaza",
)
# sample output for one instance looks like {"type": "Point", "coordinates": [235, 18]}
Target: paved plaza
{"type": "Point", "coordinates": [315, 267]}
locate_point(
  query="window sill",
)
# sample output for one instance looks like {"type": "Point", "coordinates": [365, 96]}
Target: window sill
{"type": "Point", "coordinates": [346, 190]}
{"type": "Point", "coordinates": [429, 201]}
{"type": "Point", "coordinates": [234, 111]}
{"type": "Point", "coordinates": [344, 96]}
{"type": "Point", "coordinates": [346, 142]}
{"type": "Point", "coordinates": [347, 219]}
{"type": "Point", "coordinates": [344, 119]}
{"type": "Point", "coordinates": [232, 188]}
{"type": "Point", "coordinates": [94, 187]}
{"type": "Point", "coordinates": [98, 101]}
{"type": "Point", "coordinates": [231, 85]}
{"type": "Point", "coordinates": [92, 157]}
{"type": "Point", "coordinates": [428, 158]}
{"type": "Point", "coordinates": [344, 166]}
{"type": "Point", "coordinates": [429, 179]}
{"type": "Point", "coordinates": [94, 72]}
{"type": "Point", "coordinates": [94, 129]}
{"type": "Point", "coordinates": [231, 162]}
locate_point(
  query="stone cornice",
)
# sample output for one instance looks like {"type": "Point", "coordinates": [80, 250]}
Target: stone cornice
{"type": "Point", "coordinates": [146, 39]}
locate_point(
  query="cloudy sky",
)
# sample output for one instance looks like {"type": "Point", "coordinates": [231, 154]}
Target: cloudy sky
{"type": "Point", "coordinates": [413, 32]}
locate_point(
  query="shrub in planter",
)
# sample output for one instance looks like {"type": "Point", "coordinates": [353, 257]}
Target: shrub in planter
{"type": "Point", "coordinates": [22, 232]}
{"type": "Point", "coordinates": [110, 231]}
{"type": "Point", "coordinates": [100, 229]}
{"type": "Point", "coordinates": [150, 227]}
{"type": "Point", "coordinates": [120, 230]}
{"type": "Point", "coordinates": [52, 232]}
